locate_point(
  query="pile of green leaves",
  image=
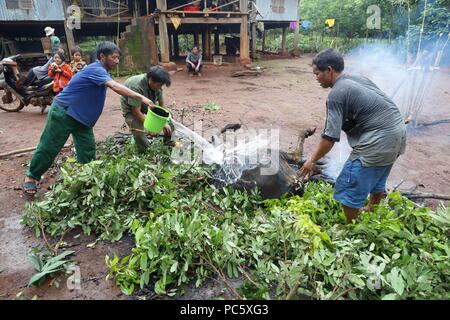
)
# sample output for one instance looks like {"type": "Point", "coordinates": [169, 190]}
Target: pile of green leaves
{"type": "Point", "coordinates": [292, 248]}
{"type": "Point", "coordinates": [106, 195]}
{"type": "Point", "coordinates": [186, 229]}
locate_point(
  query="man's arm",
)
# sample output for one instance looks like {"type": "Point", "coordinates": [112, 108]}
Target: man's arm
{"type": "Point", "coordinates": [124, 91]}
{"type": "Point", "coordinates": [189, 61]}
{"type": "Point", "coordinates": [199, 62]}
{"type": "Point", "coordinates": [331, 135]}
{"type": "Point", "coordinates": [323, 148]}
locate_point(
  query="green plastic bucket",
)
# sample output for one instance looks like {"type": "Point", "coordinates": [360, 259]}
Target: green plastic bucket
{"type": "Point", "coordinates": [156, 119]}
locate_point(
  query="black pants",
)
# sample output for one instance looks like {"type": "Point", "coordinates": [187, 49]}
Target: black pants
{"type": "Point", "coordinates": [192, 69]}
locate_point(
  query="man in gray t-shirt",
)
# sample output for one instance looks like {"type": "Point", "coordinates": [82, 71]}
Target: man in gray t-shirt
{"type": "Point", "coordinates": [375, 129]}
{"type": "Point", "coordinates": [194, 62]}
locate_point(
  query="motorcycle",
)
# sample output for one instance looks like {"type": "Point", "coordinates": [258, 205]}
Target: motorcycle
{"type": "Point", "coordinates": [39, 93]}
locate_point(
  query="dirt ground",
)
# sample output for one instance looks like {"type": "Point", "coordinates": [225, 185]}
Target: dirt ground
{"type": "Point", "coordinates": [286, 97]}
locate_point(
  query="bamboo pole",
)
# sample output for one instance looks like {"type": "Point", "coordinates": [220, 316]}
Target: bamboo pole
{"type": "Point", "coordinates": [408, 39]}
{"type": "Point", "coordinates": [26, 150]}
{"type": "Point", "coordinates": [420, 195]}
{"type": "Point", "coordinates": [423, 24]}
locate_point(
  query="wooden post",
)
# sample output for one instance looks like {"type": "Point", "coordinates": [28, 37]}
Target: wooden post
{"type": "Point", "coordinates": [176, 45]}
{"type": "Point", "coordinates": [283, 41]}
{"type": "Point", "coordinates": [206, 43]}
{"type": "Point", "coordinates": [163, 35]}
{"type": "Point", "coordinates": [151, 36]}
{"type": "Point", "coordinates": [196, 42]}
{"type": "Point", "coordinates": [69, 33]}
{"type": "Point", "coordinates": [297, 39]}
{"type": "Point", "coordinates": [253, 32]}
{"type": "Point", "coordinates": [216, 42]}
{"type": "Point", "coordinates": [244, 45]}
{"type": "Point", "coordinates": [253, 48]}
{"type": "Point", "coordinates": [203, 42]}
{"type": "Point", "coordinates": [171, 45]}
{"type": "Point", "coordinates": [264, 40]}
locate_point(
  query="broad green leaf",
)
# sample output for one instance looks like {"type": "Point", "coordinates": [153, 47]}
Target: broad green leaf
{"type": "Point", "coordinates": [396, 281]}
{"type": "Point", "coordinates": [61, 256]}
{"type": "Point", "coordinates": [35, 262]}
{"type": "Point", "coordinates": [357, 281]}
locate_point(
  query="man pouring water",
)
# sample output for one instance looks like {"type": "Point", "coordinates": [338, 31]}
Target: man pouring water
{"type": "Point", "coordinates": [375, 130]}
{"type": "Point", "coordinates": [149, 85]}
{"type": "Point", "coordinates": [75, 111]}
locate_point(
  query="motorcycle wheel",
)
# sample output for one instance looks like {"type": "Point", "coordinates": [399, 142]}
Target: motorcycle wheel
{"type": "Point", "coordinates": [14, 106]}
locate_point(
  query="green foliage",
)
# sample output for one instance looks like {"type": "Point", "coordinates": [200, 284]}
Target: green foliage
{"type": "Point", "coordinates": [400, 20]}
{"type": "Point", "coordinates": [47, 265]}
{"type": "Point", "coordinates": [104, 196]}
{"type": "Point", "coordinates": [186, 229]}
{"type": "Point", "coordinates": [296, 247]}
{"type": "Point", "coordinates": [211, 106]}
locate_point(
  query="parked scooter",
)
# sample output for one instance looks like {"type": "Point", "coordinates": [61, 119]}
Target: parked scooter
{"type": "Point", "coordinates": [38, 93]}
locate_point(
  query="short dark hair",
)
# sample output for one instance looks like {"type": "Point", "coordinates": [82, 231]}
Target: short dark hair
{"type": "Point", "coordinates": [76, 50]}
{"type": "Point", "coordinates": [107, 48]}
{"type": "Point", "coordinates": [160, 75]}
{"type": "Point", "coordinates": [61, 55]}
{"type": "Point", "coordinates": [329, 58]}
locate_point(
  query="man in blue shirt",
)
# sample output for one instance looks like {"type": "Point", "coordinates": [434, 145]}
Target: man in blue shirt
{"type": "Point", "coordinates": [75, 112]}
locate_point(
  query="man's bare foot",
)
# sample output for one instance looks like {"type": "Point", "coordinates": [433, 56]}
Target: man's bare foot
{"type": "Point", "coordinates": [199, 74]}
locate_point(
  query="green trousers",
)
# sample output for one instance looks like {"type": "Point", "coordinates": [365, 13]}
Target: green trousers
{"type": "Point", "coordinates": [58, 128]}
{"type": "Point", "coordinates": [142, 143]}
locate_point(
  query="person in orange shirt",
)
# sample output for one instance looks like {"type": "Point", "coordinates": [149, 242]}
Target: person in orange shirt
{"type": "Point", "coordinates": [60, 71]}
{"type": "Point", "coordinates": [77, 64]}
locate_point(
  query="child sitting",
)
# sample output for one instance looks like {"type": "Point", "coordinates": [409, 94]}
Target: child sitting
{"type": "Point", "coordinates": [77, 64]}
{"type": "Point", "coordinates": [60, 72]}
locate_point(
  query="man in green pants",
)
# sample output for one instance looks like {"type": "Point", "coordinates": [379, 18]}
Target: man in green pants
{"type": "Point", "coordinates": [149, 85]}
{"type": "Point", "coordinates": [75, 112]}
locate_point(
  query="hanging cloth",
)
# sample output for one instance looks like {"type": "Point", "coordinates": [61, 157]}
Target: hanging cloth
{"type": "Point", "coordinates": [176, 21]}
{"type": "Point", "coordinates": [330, 23]}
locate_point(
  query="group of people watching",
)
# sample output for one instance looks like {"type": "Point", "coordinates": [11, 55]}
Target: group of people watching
{"type": "Point", "coordinates": [56, 67]}
{"type": "Point", "coordinates": [61, 72]}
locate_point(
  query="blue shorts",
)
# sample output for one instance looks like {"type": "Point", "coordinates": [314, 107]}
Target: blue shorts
{"type": "Point", "coordinates": [356, 182]}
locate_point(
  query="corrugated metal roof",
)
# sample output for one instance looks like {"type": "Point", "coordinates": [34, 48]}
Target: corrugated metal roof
{"type": "Point", "coordinates": [43, 10]}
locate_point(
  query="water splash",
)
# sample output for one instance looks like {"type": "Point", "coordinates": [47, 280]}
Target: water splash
{"type": "Point", "coordinates": [211, 154]}
{"type": "Point", "coordinates": [242, 157]}
{"type": "Point", "coordinates": [337, 157]}
{"type": "Point", "coordinates": [233, 156]}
